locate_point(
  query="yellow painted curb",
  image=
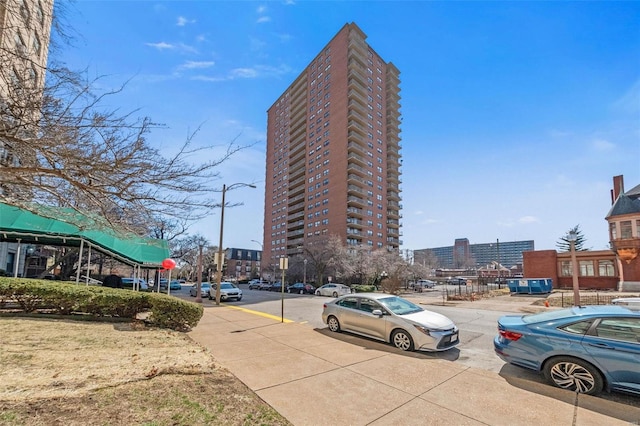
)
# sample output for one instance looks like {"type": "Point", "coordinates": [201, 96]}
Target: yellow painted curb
{"type": "Point", "coordinates": [262, 314]}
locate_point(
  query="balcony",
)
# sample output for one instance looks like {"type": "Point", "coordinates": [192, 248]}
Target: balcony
{"type": "Point", "coordinates": [296, 207]}
{"type": "Point", "coordinates": [353, 231]}
{"type": "Point", "coordinates": [355, 158]}
{"type": "Point", "coordinates": [352, 199]}
{"type": "Point", "coordinates": [355, 146]}
{"type": "Point", "coordinates": [353, 94]}
{"type": "Point", "coordinates": [358, 106]}
{"type": "Point", "coordinates": [354, 211]}
{"type": "Point", "coordinates": [355, 222]}
{"type": "Point", "coordinates": [354, 127]}
{"type": "Point", "coordinates": [356, 169]}
{"type": "Point", "coordinates": [354, 178]}
{"type": "Point", "coordinates": [356, 117]}
{"type": "Point", "coordinates": [354, 189]}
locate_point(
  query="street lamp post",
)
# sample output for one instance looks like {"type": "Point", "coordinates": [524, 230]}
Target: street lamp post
{"type": "Point", "coordinates": [572, 237]}
{"type": "Point", "coordinates": [304, 273]}
{"type": "Point", "coordinates": [220, 257]}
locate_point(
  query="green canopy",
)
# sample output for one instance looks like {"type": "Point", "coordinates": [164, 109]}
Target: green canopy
{"type": "Point", "coordinates": [20, 224]}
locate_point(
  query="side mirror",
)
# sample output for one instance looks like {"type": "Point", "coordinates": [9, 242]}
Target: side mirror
{"type": "Point", "coordinates": [377, 312]}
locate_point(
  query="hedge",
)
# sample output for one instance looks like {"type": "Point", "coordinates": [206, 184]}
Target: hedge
{"type": "Point", "coordinates": [65, 298]}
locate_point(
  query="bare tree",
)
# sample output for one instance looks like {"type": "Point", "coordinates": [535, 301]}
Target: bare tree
{"type": "Point", "coordinates": [62, 146]}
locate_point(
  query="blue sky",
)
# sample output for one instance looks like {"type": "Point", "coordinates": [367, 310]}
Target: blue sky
{"type": "Point", "coordinates": [516, 115]}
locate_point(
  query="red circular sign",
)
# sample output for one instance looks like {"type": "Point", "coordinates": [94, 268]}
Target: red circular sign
{"type": "Point", "coordinates": [168, 264]}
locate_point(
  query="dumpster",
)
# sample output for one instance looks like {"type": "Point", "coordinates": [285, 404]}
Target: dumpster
{"type": "Point", "coordinates": [530, 285]}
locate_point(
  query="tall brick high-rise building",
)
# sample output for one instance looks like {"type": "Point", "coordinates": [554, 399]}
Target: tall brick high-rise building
{"type": "Point", "coordinates": [333, 152]}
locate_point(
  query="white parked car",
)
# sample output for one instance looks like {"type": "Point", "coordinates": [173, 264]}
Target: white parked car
{"type": "Point", "coordinates": [333, 290]}
{"type": "Point", "coordinates": [629, 302]}
{"type": "Point", "coordinates": [227, 291]}
{"type": "Point", "coordinates": [392, 319]}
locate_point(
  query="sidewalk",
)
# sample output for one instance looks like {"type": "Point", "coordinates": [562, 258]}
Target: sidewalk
{"type": "Point", "coordinates": [314, 377]}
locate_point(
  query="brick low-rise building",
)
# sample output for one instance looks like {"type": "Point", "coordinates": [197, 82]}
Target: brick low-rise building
{"type": "Point", "coordinates": [616, 269]}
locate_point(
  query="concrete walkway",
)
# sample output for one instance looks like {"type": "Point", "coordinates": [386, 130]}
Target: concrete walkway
{"type": "Point", "coordinates": [315, 377]}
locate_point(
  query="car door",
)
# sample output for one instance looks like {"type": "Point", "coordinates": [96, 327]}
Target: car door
{"type": "Point", "coordinates": [368, 323]}
{"type": "Point", "coordinates": [614, 343]}
{"type": "Point", "coordinates": [348, 313]}
{"type": "Point", "coordinates": [327, 290]}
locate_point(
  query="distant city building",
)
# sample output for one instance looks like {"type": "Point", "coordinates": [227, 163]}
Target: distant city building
{"type": "Point", "coordinates": [242, 263]}
{"type": "Point", "coordinates": [465, 255]}
{"type": "Point", "coordinates": [333, 152]}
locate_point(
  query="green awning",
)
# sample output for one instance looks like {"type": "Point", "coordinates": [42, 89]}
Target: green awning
{"type": "Point", "coordinates": [19, 224]}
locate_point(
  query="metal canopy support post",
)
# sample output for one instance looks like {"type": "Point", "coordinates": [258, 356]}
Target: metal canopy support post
{"type": "Point", "coordinates": [80, 260]}
{"type": "Point", "coordinates": [16, 261]}
{"type": "Point", "coordinates": [88, 265]}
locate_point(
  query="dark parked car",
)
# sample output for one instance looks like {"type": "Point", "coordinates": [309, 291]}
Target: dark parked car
{"type": "Point", "coordinates": [275, 287]}
{"type": "Point", "coordinates": [456, 281]}
{"type": "Point", "coordinates": [584, 349]}
{"type": "Point", "coordinates": [301, 288]}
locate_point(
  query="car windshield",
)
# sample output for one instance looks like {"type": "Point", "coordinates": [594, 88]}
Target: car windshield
{"type": "Point", "coordinates": [223, 285]}
{"type": "Point", "coordinates": [399, 306]}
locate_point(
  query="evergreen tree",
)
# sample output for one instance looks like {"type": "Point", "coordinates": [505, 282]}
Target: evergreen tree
{"type": "Point", "coordinates": [565, 245]}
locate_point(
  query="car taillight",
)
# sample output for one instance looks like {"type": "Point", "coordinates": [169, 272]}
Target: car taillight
{"type": "Point", "coordinates": [510, 335]}
{"type": "Point", "coordinates": [324, 306]}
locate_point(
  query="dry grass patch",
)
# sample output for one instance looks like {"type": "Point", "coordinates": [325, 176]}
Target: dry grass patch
{"type": "Point", "coordinates": [77, 373]}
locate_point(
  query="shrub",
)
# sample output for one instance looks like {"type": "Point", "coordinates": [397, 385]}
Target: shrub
{"type": "Point", "coordinates": [64, 298]}
{"type": "Point", "coordinates": [361, 288]}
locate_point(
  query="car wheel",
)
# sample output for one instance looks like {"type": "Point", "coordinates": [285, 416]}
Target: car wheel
{"type": "Point", "coordinates": [402, 340]}
{"type": "Point", "coordinates": [333, 323]}
{"type": "Point", "coordinates": [573, 374]}
{"type": "Point", "coordinates": [288, 291]}
{"type": "Point", "coordinates": [318, 293]}
{"type": "Point", "coordinates": [239, 298]}
{"type": "Point", "coordinates": [301, 291]}
{"type": "Point", "coordinates": [335, 294]}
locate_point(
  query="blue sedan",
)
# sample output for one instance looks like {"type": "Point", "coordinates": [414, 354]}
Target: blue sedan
{"type": "Point", "coordinates": [584, 349]}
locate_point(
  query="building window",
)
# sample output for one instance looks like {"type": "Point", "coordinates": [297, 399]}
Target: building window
{"type": "Point", "coordinates": [605, 268]}
{"type": "Point", "coordinates": [626, 230]}
{"type": "Point", "coordinates": [565, 268]}
{"type": "Point", "coordinates": [612, 231]}
{"type": "Point", "coordinates": [586, 268]}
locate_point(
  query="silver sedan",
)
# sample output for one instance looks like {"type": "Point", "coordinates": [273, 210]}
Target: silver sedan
{"type": "Point", "coordinates": [391, 319]}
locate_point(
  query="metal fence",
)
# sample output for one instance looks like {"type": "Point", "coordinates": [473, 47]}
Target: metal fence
{"type": "Point", "coordinates": [566, 299]}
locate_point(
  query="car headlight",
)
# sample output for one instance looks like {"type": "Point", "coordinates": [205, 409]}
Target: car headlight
{"type": "Point", "coordinates": [422, 329]}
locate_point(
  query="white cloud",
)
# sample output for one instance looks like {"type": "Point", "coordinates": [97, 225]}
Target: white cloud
{"type": "Point", "coordinates": [182, 21]}
{"type": "Point", "coordinates": [244, 72]}
{"type": "Point", "coordinates": [213, 79]}
{"type": "Point", "coordinates": [528, 219]}
{"type": "Point", "coordinates": [419, 212]}
{"type": "Point", "coordinates": [184, 48]}
{"type": "Point", "coordinates": [191, 65]}
{"type": "Point", "coordinates": [602, 145]}
{"type": "Point", "coordinates": [263, 19]}
{"type": "Point", "coordinates": [261, 9]}
{"type": "Point", "coordinates": [259, 71]}
{"type": "Point", "coordinates": [161, 46]}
